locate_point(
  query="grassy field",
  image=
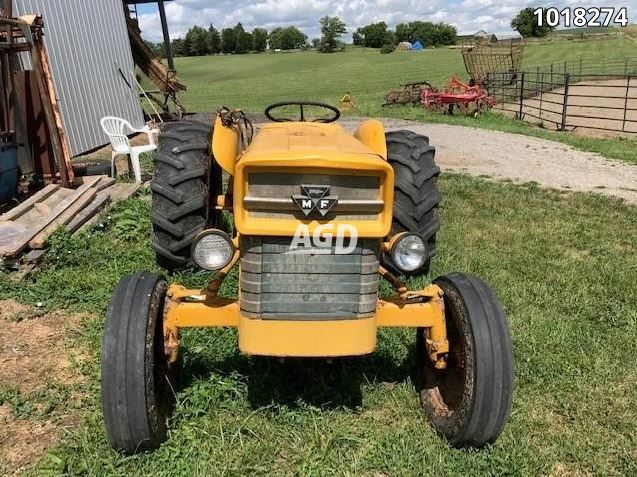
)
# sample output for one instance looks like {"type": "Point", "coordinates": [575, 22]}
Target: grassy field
{"type": "Point", "coordinates": [251, 82]}
{"type": "Point", "coordinates": [584, 30]}
{"type": "Point", "coordinates": [564, 266]}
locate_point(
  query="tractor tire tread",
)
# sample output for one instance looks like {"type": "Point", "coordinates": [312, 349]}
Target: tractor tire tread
{"type": "Point", "coordinates": [135, 420]}
{"type": "Point", "coordinates": [180, 186]}
{"type": "Point", "coordinates": [493, 361]}
{"type": "Point", "coordinates": [416, 194]}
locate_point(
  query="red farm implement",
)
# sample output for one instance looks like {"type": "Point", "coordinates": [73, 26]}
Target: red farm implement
{"type": "Point", "coordinates": [468, 99]}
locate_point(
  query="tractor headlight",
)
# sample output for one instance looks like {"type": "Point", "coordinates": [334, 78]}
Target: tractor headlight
{"type": "Point", "coordinates": [212, 249]}
{"type": "Point", "coordinates": [408, 252]}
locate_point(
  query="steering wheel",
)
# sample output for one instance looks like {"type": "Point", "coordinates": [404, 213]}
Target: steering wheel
{"type": "Point", "coordinates": [301, 104]}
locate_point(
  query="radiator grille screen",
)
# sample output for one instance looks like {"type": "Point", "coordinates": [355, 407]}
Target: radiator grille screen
{"type": "Point", "coordinates": [307, 283]}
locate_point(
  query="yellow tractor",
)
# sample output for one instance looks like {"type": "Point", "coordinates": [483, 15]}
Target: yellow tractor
{"type": "Point", "coordinates": [320, 215]}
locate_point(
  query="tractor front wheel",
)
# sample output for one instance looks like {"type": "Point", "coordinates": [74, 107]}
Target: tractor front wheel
{"type": "Point", "coordinates": [469, 402]}
{"type": "Point", "coordinates": [137, 380]}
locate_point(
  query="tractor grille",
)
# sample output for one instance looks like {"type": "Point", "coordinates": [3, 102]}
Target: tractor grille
{"type": "Point", "coordinates": [269, 195]}
{"type": "Point", "coordinates": [277, 283]}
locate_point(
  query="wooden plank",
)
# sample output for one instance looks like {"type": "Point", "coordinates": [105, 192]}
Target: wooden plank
{"type": "Point", "coordinates": [20, 243]}
{"type": "Point", "coordinates": [101, 199]}
{"type": "Point", "coordinates": [33, 256]}
{"type": "Point", "coordinates": [80, 180]}
{"type": "Point", "coordinates": [46, 90]}
{"type": "Point", "coordinates": [42, 63]}
{"type": "Point", "coordinates": [22, 208]}
{"type": "Point", "coordinates": [123, 192]}
{"type": "Point", "coordinates": [104, 181]}
{"type": "Point", "coordinates": [65, 217]}
{"type": "Point", "coordinates": [117, 193]}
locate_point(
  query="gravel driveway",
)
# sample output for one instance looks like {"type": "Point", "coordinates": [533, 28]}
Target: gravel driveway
{"type": "Point", "coordinates": [522, 159]}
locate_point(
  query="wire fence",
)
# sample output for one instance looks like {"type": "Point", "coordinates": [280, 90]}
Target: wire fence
{"type": "Point", "coordinates": [567, 99]}
{"type": "Point", "coordinates": [584, 66]}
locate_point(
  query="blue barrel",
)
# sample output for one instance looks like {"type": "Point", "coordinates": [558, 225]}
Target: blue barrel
{"type": "Point", "coordinates": [8, 171]}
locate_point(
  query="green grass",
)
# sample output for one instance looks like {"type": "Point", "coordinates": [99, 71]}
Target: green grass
{"type": "Point", "coordinates": [564, 267]}
{"type": "Point", "coordinates": [251, 82]}
{"type": "Point", "coordinates": [584, 30]}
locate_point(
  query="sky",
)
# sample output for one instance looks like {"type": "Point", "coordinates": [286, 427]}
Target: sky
{"type": "Point", "coordinates": [468, 16]}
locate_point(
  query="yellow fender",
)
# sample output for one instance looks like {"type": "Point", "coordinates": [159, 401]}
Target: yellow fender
{"type": "Point", "coordinates": [372, 134]}
{"type": "Point", "coordinates": [225, 145]}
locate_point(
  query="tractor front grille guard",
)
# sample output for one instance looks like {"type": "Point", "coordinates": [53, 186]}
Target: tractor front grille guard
{"type": "Point", "coordinates": [193, 308]}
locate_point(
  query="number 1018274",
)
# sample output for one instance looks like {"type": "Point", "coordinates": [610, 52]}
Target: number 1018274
{"type": "Point", "coordinates": [581, 17]}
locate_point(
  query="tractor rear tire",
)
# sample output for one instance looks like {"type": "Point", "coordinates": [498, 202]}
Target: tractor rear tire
{"type": "Point", "coordinates": [137, 380]}
{"type": "Point", "coordinates": [184, 180]}
{"type": "Point", "coordinates": [469, 402]}
{"type": "Point", "coordinates": [416, 194]}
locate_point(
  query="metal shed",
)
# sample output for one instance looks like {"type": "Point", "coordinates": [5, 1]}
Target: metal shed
{"type": "Point", "coordinates": [92, 65]}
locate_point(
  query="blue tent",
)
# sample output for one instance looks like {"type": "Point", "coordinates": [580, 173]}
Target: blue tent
{"type": "Point", "coordinates": [417, 46]}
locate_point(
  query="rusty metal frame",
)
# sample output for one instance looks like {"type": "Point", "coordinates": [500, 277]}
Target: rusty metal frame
{"type": "Point", "coordinates": [30, 28]}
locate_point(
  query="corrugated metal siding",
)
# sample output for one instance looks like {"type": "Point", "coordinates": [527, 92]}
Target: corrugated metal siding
{"type": "Point", "coordinates": [87, 44]}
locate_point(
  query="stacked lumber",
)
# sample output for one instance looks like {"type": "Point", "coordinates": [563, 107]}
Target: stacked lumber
{"type": "Point", "coordinates": [31, 223]}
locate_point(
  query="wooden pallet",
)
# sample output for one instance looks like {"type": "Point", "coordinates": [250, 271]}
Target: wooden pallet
{"type": "Point", "coordinates": [32, 222]}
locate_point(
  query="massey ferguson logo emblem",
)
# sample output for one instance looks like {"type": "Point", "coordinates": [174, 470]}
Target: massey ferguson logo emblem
{"type": "Point", "coordinates": [315, 197]}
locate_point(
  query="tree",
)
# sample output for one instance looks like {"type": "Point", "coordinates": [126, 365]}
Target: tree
{"type": "Point", "coordinates": [238, 38]}
{"type": "Point", "coordinates": [214, 40]}
{"type": "Point", "coordinates": [197, 41]}
{"type": "Point", "coordinates": [243, 39]}
{"type": "Point", "coordinates": [526, 23]}
{"type": "Point", "coordinates": [290, 38]}
{"type": "Point", "coordinates": [228, 40]}
{"type": "Point", "coordinates": [428, 33]}
{"type": "Point", "coordinates": [331, 28]}
{"type": "Point", "coordinates": [259, 39]}
{"type": "Point", "coordinates": [357, 38]}
{"type": "Point", "coordinates": [158, 48]}
{"type": "Point", "coordinates": [244, 42]}
{"type": "Point", "coordinates": [179, 47]}
{"type": "Point", "coordinates": [374, 35]}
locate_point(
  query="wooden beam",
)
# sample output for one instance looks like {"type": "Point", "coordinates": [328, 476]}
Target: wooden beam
{"type": "Point", "coordinates": [19, 243]}
{"type": "Point", "coordinates": [66, 168]}
{"type": "Point", "coordinates": [101, 199]}
{"type": "Point", "coordinates": [22, 208]}
{"type": "Point", "coordinates": [116, 193]}
{"type": "Point", "coordinates": [6, 8]}
{"type": "Point", "coordinates": [81, 201]}
{"type": "Point", "coordinates": [15, 48]}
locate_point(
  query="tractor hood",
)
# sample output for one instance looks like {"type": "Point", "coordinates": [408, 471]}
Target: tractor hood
{"type": "Point", "coordinates": [272, 175]}
{"type": "Point", "coordinates": [296, 139]}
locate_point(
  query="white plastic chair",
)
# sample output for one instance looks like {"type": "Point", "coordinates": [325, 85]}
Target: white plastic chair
{"type": "Point", "coordinates": [117, 130]}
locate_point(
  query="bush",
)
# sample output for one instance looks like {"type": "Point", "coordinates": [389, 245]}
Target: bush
{"type": "Point", "coordinates": [387, 49]}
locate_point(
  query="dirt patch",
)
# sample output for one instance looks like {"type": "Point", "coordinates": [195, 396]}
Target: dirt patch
{"type": "Point", "coordinates": [32, 356]}
{"type": "Point", "coordinates": [32, 349]}
{"type": "Point", "coordinates": [594, 107]}
{"type": "Point", "coordinates": [522, 159]}
{"type": "Point", "coordinates": [23, 441]}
